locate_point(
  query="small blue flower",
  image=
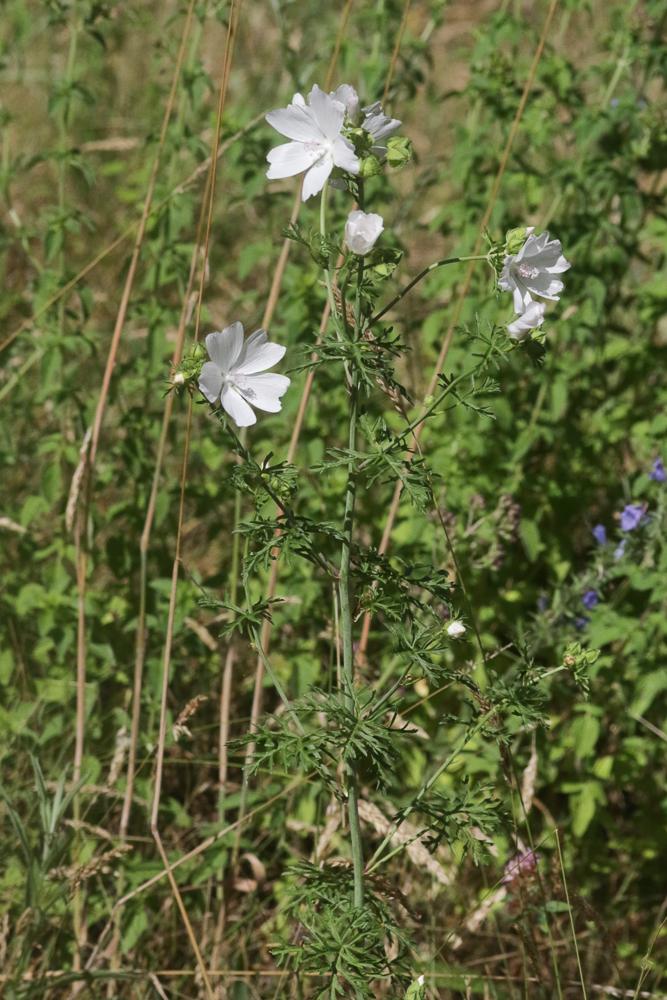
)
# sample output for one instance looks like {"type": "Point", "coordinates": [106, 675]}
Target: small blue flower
{"type": "Point", "coordinates": [600, 534]}
{"type": "Point", "coordinates": [631, 516]}
{"type": "Point", "coordinates": [581, 622]}
{"type": "Point", "coordinates": [619, 551]}
{"type": "Point", "coordinates": [590, 599]}
{"type": "Point", "coordinates": [658, 473]}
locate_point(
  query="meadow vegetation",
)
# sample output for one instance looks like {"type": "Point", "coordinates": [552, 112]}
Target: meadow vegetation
{"type": "Point", "coordinates": [367, 698]}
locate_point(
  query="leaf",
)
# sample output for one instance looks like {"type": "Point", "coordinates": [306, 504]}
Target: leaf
{"type": "Point", "coordinates": [648, 688]}
{"type": "Point", "coordinates": [530, 537]}
{"type": "Point", "coordinates": [134, 930]}
{"type": "Point", "coordinates": [584, 805]}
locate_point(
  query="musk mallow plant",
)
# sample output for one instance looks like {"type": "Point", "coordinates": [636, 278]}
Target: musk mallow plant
{"type": "Point", "coordinates": [348, 731]}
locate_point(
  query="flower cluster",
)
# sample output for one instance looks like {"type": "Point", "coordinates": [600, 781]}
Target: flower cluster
{"type": "Point", "coordinates": [316, 128]}
{"type": "Point", "coordinates": [236, 375]}
{"type": "Point", "coordinates": [522, 864]}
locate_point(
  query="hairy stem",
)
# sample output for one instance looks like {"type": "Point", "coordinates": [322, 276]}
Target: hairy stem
{"type": "Point", "coordinates": [344, 580]}
{"type": "Point", "coordinates": [419, 277]}
{"type": "Point", "coordinates": [344, 591]}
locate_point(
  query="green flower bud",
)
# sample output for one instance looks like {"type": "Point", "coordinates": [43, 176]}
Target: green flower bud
{"type": "Point", "coordinates": [399, 151]}
{"type": "Point", "coordinates": [370, 166]}
{"type": "Point", "coordinates": [515, 239]}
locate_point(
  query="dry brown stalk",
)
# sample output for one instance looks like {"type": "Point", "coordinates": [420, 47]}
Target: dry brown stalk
{"type": "Point", "coordinates": [201, 169]}
{"type": "Point", "coordinates": [529, 779]}
{"type": "Point", "coordinates": [397, 49]}
{"type": "Point", "coordinates": [7, 524]}
{"type": "Point", "coordinates": [91, 452]}
{"type": "Point", "coordinates": [97, 831]}
{"type": "Point", "coordinates": [140, 648]}
{"type": "Point", "coordinates": [118, 759]}
{"type": "Point", "coordinates": [180, 728]}
{"type": "Point", "coordinates": [269, 310]}
{"type": "Point", "coordinates": [189, 856]}
{"type": "Point", "coordinates": [234, 15]}
{"type": "Point", "coordinates": [406, 834]}
{"type": "Point", "coordinates": [202, 633]}
{"type": "Point", "coordinates": [100, 864]}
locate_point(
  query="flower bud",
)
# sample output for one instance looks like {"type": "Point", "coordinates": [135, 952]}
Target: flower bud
{"type": "Point", "coordinates": [178, 378]}
{"type": "Point", "coordinates": [362, 229]}
{"type": "Point", "coordinates": [370, 166]}
{"type": "Point", "coordinates": [515, 238]}
{"type": "Point", "coordinates": [349, 98]}
{"type": "Point", "coordinates": [456, 629]}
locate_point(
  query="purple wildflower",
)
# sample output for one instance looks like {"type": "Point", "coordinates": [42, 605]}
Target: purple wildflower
{"type": "Point", "coordinates": [658, 473]}
{"type": "Point", "coordinates": [631, 516]}
{"type": "Point", "coordinates": [581, 622]}
{"type": "Point", "coordinates": [600, 534]}
{"type": "Point", "coordinates": [590, 599]}
{"type": "Point", "coordinates": [619, 551]}
{"type": "Point", "coordinates": [523, 863]}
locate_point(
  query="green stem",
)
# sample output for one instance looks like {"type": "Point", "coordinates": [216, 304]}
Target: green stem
{"type": "Point", "coordinates": [344, 590]}
{"type": "Point", "coordinates": [422, 274]}
{"type": "Point", "coordinates": [344, 580]}
{"type": "Point", "coordinates": [377, 858]}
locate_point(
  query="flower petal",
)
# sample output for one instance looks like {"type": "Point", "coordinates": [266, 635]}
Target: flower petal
{"type": "Point", "coordinates": [291, 158]}
{"type": "Point", "coordinates": [561, 265]}
{"type": "Point", "coordinates": [210, 381]}
{"type": "Point", "coordinates": [522, 298]}
{"type": "Point", "coordinates": [224, 347]}
{"type": "Point", "coordinates": [344, 155]}
{"type": "Point", "coordinates": [530, 319]}
{"type": "Point", "coordinates": [295, 122]}
{"type": "Point", "coordinates": [329, 114]}
{"type": "Point", "coordinates": [316, 177]}
{"type": "Point", "coordinates": [254, 340]}
{"type": "Point", "coordinates": [264, 391]}
{"type": "Point", "coordinates": [235, 405]}
{"type": "Point", "coordinates": [259, 357]}
{"type": "Point", "coordinates": [348, 97]}
{"type": "Point", "coordinates": [545, 286]}
{"type": "Point", "coordinates": [380, 126]}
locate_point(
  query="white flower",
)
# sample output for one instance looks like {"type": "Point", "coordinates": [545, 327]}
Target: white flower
{"type": "Point", "coordinates": [531, 271]}
{"type": "Point", "coordinates": [530, 319]}
{"type": "Point", "coordinates": [456, 629]}
{"type": "Point", "coordinates": [362, 230]}
{"type": "Point", "coordinates": [317, 145]}
{"type": "Point", "coordinates": [379, 126]}
{"type": "Point", "coordinates": [178, 378]}
{"type": "Point", "coordinates": [233, 373]}
{"type": "Point", "coordinates": [349, 98]}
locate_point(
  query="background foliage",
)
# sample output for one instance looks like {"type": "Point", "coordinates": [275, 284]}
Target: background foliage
{"type": "Point", "coordinates": [566, 442]}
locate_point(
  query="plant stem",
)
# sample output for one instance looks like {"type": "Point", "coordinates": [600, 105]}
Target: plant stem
{"type": "Point", "coordinates": [344, 590]}
{"type": "Point", "coordinates": [344, 581]}
{"type": "Point", "coordinates": [422, 274]}
{"type": "Point", "coordinates": [378, 857]}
